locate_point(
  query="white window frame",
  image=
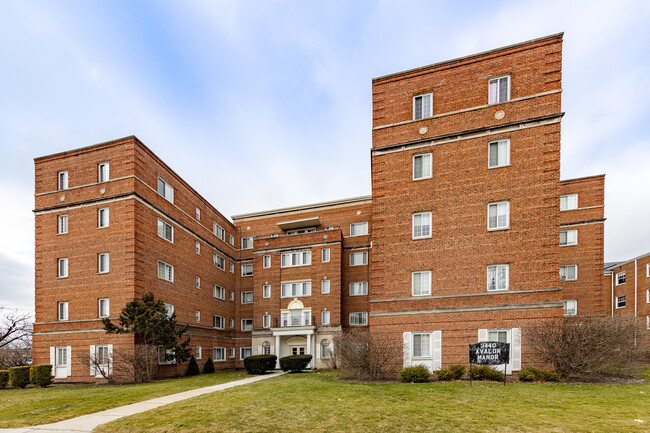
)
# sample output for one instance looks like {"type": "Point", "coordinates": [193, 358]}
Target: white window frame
{"type": "Point", "coordinates": [295, 259]}
{"type": "Point", "coordinates": [247, 270]}
{"type": "Point", "coordinates": [621, 302]}
{"type": "Point", "coordinates": [100, 269]}
{"type": "Point", "coordinates": [647, 296]}
{"type": "Point", "coordinates": [197, 248]}
{"type": "Point", "coordinates": [243, 350]}
{"type": "Point", "coordinates": [568, 202]}
{"type": "Point", "coordinates": [62, 180]}
{"type": "Point", "coordinates": [325, 348]}
{"type": "Point", "coordinates": [564, 275]}
{"type": "Point", "coordinates": [199, 353]}
{"type": "Point", "coordinates": [364, 258]}
{"type": "Point", "coordinates": [103, 172]}
{"type": "Point", "coordinates": [197, 214]}
{"type": "Point", "coordinates": [266, 261]}
{"type": "Point", "coordinates": [162, 230]}
{"type": "Point", "coordinates": [295, 289]}
{"type": "Point", "coordinates": [247, 297]}
{"type": "Point", "coordinates": [62, 311]}
{"type": "Point", "coordinates": [62, 224]}
{"type": "Point", "coordinates": [647, 322]}
{"type": "Point", "coordinates": [418, 231]}
{"type": "Point", "coordinates": [219, 354]}
{"type": "Point", "coordinates": [359, 288]}
{"type": "Point", "coordinates": [231, 323]}
{"type": "Point", "coordinates": [266, 321]}
{"type": "Point", "coordinates": [423, 336]}
{"type": "Point", "coordinates": [360, 318]}
{"type": "Point", "coordinates": [168, 271]}
{"type": "Point", "coordinates": [266, 291]}
{"type": "Point", "coordinates": [103, 218]}
{"type": "Point", "coordinates": [619, 276]}
{"type": "Point", "coordinates": [219, 231]}
{"type": "Point", "coordinates": [218, 261]}
{"type": "Point", "coordinates": [167, 190]}
{"type": "Point", "coordinates": [566, 234]}
{"type": "Point", "coordinates": [501, 142]}
{"type": "Point", "coordinates": [427, 166]}
{"type": "Point", "coordinates": [568, 311]}
{"type": "Point", "coordinates": [325, 317]}
{"type": "Point", "coordinates": [647, 270]}
{"type": "Point", "coordinates": [496, 268]}
{"type": "Point", "coordinates": [232, 352]}
{"type": "Point", "coordinates": [359, 229]}
{"type": "Point", "coordinates": [245, 325]}
{"type": "Point", "coordinates": [425, 290]}
{"type": "Point", "coordinates": [107, 303]}
{"type": "Point", "coordinates": [232, 267]}
{"type": "Point", "coordinates": [232, 240]}
{"type": "Point", "coordinates": [232, 296]}
{"type": "Point", "coordinates": [218, 322]}
{"type": "Point", "coordinates": [215, 292]}
{"type": "Point", "coordinates": [266, 348]}
{"type": "Point", "coordinates": [325, 286]}
{"type": "Point", "coordinates": [498, 205]}
{"type": "Point", "coordinates": [62, 268]}
{"type": "Point", "coordinates": [325, 255]}
{"type": "Point", "coordinates": [497, 94]}
{"type": "Point", "coordinates": [247, 243]}
{"type": "Point", "coordinates": [197, 283]}
{"type": "Point", "coordinates": [197, 316]}
{"type": "Point", "coordinates": [169, 309]}
{"type": "Point", "coordinates": [426, 111]}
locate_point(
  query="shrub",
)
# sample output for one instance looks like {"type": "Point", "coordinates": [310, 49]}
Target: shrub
{"type": "Point", "coordinates": [193, 367]}
{"type": "Point", "coordinates": [364, 356]}
{"type": "Point", "coordinates": [295, 363]}
{"type": "Point", "coordinates": [209, 366]}
{"type": "Point", "coordinates": [531, 374]}
{"type": "Point", "coordinates": [485, 372]}
{"type": "Point", "coordinates": [417, 374]}
{"type": "Point", "coordinates": [19, 376]}
{"type": "Point", "coordinates": [4, 378]}
{"type": "Point", "coordinates": [40, 375]}
{"type": "Point", "coordinates": [259, 364]}
{"type": "Point", "coordinates": [454, 372]}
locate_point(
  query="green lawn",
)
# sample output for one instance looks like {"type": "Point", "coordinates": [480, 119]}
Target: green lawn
{"type": "Point", "coordinates": [318, 402]}
{"type": "Point", "coordinates": [33, 406]}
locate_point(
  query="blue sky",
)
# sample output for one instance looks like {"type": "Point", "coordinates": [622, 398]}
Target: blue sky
{"type": "Point", "coordinates": [271, 93]}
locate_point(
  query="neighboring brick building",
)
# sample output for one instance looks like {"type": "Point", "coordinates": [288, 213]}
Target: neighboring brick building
{"type": "Point", "coordinates": [469, 234]}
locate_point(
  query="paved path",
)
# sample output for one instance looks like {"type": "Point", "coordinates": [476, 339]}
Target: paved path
{"type": "Point", "coordinates": [87, 423]}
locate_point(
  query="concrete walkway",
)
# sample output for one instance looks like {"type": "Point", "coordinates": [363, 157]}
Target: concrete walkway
{"type": "Point", "coordinates": [87, 423]}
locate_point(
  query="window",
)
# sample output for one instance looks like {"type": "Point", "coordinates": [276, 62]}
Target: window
{"type": "Point", "coordinates": [266, 261]}
{"type": "Point", "coordinates": [647, 322]}
{"type": "Point", "coordinates": [198, 282]}
{"type": "Point", "coordinates": [232, 296]}
{"type": "Point", "coordinates": [499, 215]}
{"type": "Point", "coordinates": [266, 321]}
{"type": "Point", "coordinates": [219, 353]}
{"type": "Point", "coordinates": [246, 270]}
{"type": "Point", "coordinates": [104, 307]}
{"type": "Point", "coordinates": [499, 153]}
{"type": "Point", "coordinates": [232, 240]}
{"type": "Point", "coordinates": [329, 228]}
{"type": "Point", "coordinates": [169, 309]}
{"type": "Point", "coordinates": [620, 301]}
{"type": "Point", "coordinates": [165, 271]}
{"type": "Point", "coordinates": [102, 172]}
{"type": "Point", "coordinates": [231, 323]}
{"type": "Point", "coordinates": [570, 308]}
{"type": "Point", "coordinates": [102, 263]}
{"type": "Point", "coordinates": [568, 272]}
{"type": "Point", "coordinates": [198, 352]}
{"type": "Point", "coordinates": [422, 166]}
{"type": "Point", "coordinates": [63, 224]}
{"type": "Point", "coordinates": [218, 292]}
{"type": "Point", "coordinates": [422, 106]}
{"type": "Point", "coordinates": [219, 231]}
{"type": "Point", "coordinates": [292, 290]}
{"type": "Point", "coordinates": [232, 352]}
{"type": "Point", "coordinates": [245, 352]}
{"type": "Point", "coordinates": [165, 231]}
{"type": "Point", "coordinates": [246, 324]}
{"type": "Point", "coordinates": [499, 89]}
{"type": "Point", "coordinates": [497, 277]}
{"type": "Point", "coordinates": [63, 311]}
{"type": "Point", "coordinates": [359, 289]}
{"type": "Point", "coordinates": [218, 322]}
{"type": "Point", "coordinates": [63, 180]}
{"type": "Point", "coordinates": [620, 278]}
{"type": "Point", "coordinates": [421, 283]}
{"type": "Point", "coordinates": [358, 319]}
{"type": "Point", "coordinates": [359, 229]}
{"type": "Point", "coordinates": [325, 287]}
{"type": "Point", "coordinates": [232, 268]}
{"type": "Point", "coordinates": [63, 268]}
{"type": "Point", "coordinates": [298, 232]}
{"type": "Point", "coordinates": [266, 291]}
{"type": "Point", "coordinates": [421, 345]}
{"type": "Point", "coordinates": [325, 255]}
{"type": "Point", "coordinates": [246, 243]}
{"type": "Point", "coordinates": [219, 261]}
{"type": "Point", "coordinates": [647, 296]}
{"type": "Point", "coordinates": [165, 190]}
{"type": "Point", "coordinates": [102, 359]}
{"type": "Point", "coordinates": [325, 349]}
{"type": "Point", "coordinates": [301, 258]}
{"type": "Point", "coordinates": [325, 318]}
{"type": "Point", "coordinates": [197, 316]}
{"type": "Point", "coordinates": [246, 297]}
{"type": "Point", "coordinates": [198, 248]}
{"type": "Point", "coordinates": [421, 225]}
{"type": "Point", "coordinates": [359, 259]}
{"type": "Point", "coordinates": [62, 362]}
{"type": "Point", "coordinates": [266, 348]}
{"type": "Point", "coordinates": [498, 335]}
{"type": "Point", "coordinates": [197, 214]}
{"type": "Point", "coordinates": [102, 217]}
{"type": "Point", "coordinates": [569, 237]}
{"type": "Point", "coordinates": [647, 270]}
{"type": "Point", "coordinates": [569, 202]}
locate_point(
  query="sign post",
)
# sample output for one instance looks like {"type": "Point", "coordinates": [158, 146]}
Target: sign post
{"type": "Point", "coordinates": [489, 353]}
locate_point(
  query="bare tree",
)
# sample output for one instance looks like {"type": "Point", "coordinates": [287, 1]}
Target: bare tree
{"type": "Point", "coordinates": [14, 326]}
{"type": "Point", "coordinates": [124, 366]}
{"type": "Point", "coordinates": [583, 346]}
{"type": "Point", "coordinates": [366, 356]}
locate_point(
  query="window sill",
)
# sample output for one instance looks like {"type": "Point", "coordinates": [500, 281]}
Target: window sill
{"type": "Point", "coordinates": [61, 278]}
{"type": "Point", "coordinates": [420, 295]}
{"type": "Point", "coordinates": [568, 245]}
{"type": "Point", "coordinates": [499, 166]}
{"type": "Point", "coordinates": [103, 227]}
{"type": "Point", "coordinates": [361, 294]}
{"type": "Point", "coordinates": [497, 229]}
{"type": "Point", "coordinates": [415, 179]}
{"type": "Point", "coordinates": [358, 325]}
{"type": "Point", "coordinates": [421, 237]}
{"type": "Point", "coordinates": [498, 290]}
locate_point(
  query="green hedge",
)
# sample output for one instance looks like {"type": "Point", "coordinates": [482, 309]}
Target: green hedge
{"type": "Point", "coordinates": [4, 378]}
{"type": "Point", "coordinates": [485, 372]}
{"type": "Point", "coordinates": [416, 374]}
{"type": "Point", "coordinates": [19, 376]}
{"type": "Point", "coordinates": [209, 366]}
{"type": "Point", "coordinates": [40, 375]}
{"type": "Point", "coordinates": [531, 374]}
{"type": "Point", "coordinates": [295, 363]}
{"type": "Point", "coordinates": [453, 372]}
{"type": "Point", "coordinates": [259, 364]}
{"type": "Point", "coordinates": [193, 367]}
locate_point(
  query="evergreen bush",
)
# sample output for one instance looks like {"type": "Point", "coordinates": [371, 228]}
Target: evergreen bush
{"type": "Point", "coordinates": [4, 378]}
{"type": "Point", "coordinates": [453, 372]}
{"type": "Point", "coordinates": [295, 363]}
{"type": "Point", "coordinates": [485, 372]}
{"type": "Point", "coordinates": [40, 375]}
{"type": "Point", "coordinates": [193, 367]}
{"type": "Point", "coordinates": [417, 374]}
{"type": "Point", "coordinates": [209, 366]}
{"type": "Point", "coordinates": [19, 376]}
{"type": "Point", "coordinates": [531, 374]}
{"type": "Point", "coordinates": [259, 364]}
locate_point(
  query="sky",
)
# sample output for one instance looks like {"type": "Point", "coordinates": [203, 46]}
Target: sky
{"type": "Point", "coordinates": [251, 102]}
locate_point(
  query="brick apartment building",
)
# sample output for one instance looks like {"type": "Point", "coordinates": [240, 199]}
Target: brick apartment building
{"type": "Point", "coordinates": [470, 234]}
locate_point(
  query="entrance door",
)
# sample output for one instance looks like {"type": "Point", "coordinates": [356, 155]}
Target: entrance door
{"type": "Point", "coordinates": [61, 360]}
{"type": "Point", "coordinates": [297, 345]}
{"type": "Point", "coordinates": [298, 350]}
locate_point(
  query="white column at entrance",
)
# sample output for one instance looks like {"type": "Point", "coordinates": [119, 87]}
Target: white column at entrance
{"type": "Point", "coordinates": [277, 351]}
{"type": "Point", "coordinates": [309, 349]}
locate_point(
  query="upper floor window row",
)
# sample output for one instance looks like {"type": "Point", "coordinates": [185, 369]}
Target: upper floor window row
{"type": "Point", "coordinates": [102, 176]}
{"type": "Point", "coordinates": [165, 190]}
{"type": "Point", "coordinates": [301, 258]}
{"type": "Point", "coordinates": [359, 229]}
{"type": "Point", "coordinates": [569, 202]}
